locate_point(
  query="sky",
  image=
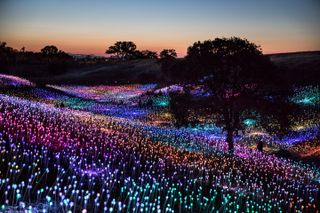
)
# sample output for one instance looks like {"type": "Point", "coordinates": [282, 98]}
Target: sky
{"type": "Point", "coordinates": [91, 26]}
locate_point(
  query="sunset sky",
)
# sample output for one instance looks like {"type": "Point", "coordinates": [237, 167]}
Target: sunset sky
{"type": "Point", "coordinates": [89, 27]}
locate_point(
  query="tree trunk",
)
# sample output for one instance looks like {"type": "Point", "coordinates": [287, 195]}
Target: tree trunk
{"type": "Point", "coordinates": [260, 146]}
{"type": "Point", "coordinates": [230, 141]}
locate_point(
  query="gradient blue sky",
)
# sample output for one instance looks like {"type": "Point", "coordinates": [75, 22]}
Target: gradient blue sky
{"type": "Point", "coordinates": [83, 26]}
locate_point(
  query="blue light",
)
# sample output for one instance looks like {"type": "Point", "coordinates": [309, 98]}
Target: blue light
{"type": "Point", "coordinates": [249, 122]}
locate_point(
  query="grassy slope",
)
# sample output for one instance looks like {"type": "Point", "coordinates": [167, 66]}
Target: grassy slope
{"type": "Point", "coordinates": [108, 73]}
{"type": "Point", "coordinates": [297, 67]}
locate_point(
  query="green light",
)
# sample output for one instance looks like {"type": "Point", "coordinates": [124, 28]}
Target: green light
{"type": "Point", "coordinates": [162, 101]}
{"type": "Point", "coordinates": [249, 122]}
{"type": "Point", "coordinates": [18, 196]}
{"type": "Point", "coordinates": [309, 95]}
{"type": "Point", "coordinates": [306, 100]}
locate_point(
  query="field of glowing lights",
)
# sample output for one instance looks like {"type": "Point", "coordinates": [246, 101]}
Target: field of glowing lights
{"type": "Point", "coordinates": [115, 149]}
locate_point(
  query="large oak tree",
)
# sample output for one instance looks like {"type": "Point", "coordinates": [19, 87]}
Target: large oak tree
{"type": "Point", "coordinates": [122, 50]}
{"type": "Point", "coordinates": [238, 76]}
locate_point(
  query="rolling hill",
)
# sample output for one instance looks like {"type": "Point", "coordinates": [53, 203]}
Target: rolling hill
{"type": "Point", "coordinates": [299, 67]}
{"type": "Point", "coordinates": [296, 67]}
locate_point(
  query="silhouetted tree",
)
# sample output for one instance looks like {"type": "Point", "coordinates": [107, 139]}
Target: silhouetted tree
{"type": "Point", "coordinates": [179, 106]}
{"type": "Point", "coordinates": [122, 50]}
{"type": "Point", "coordinates": [57, 60]}
{"type": "Point", "coordinates": [7, 55]}
{"type": "Point", "coordinates": [50, 50]}
{"type": "Point", "coordinates": [236, 72]}
{"type": "Point", "coordinates": [149, 54]}
{"type": "Point", "coordinates": [168, 59]}
{"type": "Point", "coordinates": [142, 54]}
{"type": "Point", "coordinates": [138, 55]}
{"type": "Point", "coordinates": [168, 54]}
{"type": "Point", "coordinates": [3, 44]}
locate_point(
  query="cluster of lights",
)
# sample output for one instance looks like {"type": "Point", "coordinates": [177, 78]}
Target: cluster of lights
{"type": "Point", "coordinates": [59, 99]}
{"type": "Point", "coordinates": [161, 101]}
{"type": "Point", "coordinates": [159, 116]}
{"type": "Point", "coordinates": [114, 94]}
{"type": "Point", "coordinates": [309, 95]}
{"type": "Point", "coordinates": [10, 80]}
{"type": "Point", "coordinates": [101, 152]}
{"type": "Point", "coordinates": [55, 159]}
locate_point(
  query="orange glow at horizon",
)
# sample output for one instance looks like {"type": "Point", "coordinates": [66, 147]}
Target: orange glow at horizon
{"type": "Point", "coordinates": [90, 27]}
{"type": "Point", "coordinates": [98, 47]}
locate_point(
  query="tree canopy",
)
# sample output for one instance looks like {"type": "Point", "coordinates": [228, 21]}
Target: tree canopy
{"type": "Point", "coordinates": [122, 49]}
{"type": "Point", "coordinates": [168, 54]}
{"type": "Point", "coordinates": [237, 75]}
{"type": "Point", "coordinates": [149, 54]}
{"type": "Point", "coordinates": [50, 50]}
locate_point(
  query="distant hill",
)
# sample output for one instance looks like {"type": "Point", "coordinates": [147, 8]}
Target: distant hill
{"type": "Point", "coordinates": [297, 68]}
{"type": "Point", "coordinates": [143, 70]}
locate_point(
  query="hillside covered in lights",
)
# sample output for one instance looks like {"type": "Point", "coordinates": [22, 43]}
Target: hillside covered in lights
{"type": "Point", "coordinates": [159, 106]}
{"type": "Point", "coordinates": [116, 149]}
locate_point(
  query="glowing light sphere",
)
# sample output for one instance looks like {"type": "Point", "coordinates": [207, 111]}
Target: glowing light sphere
{"type": "Point", "coordinates": [249, 122]}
